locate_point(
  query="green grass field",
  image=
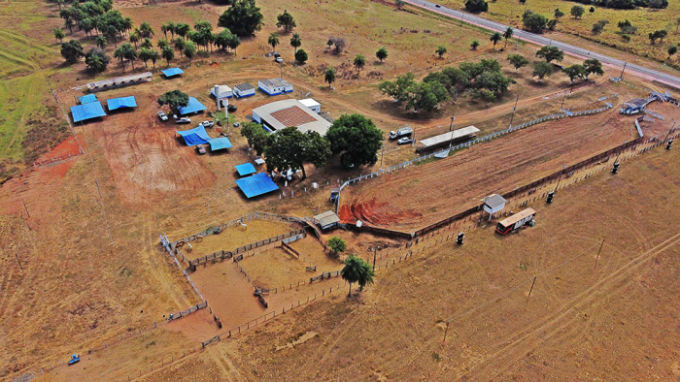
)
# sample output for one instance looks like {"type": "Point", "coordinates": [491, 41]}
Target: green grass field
{"type": "Point", "coordinates": [647, 20]}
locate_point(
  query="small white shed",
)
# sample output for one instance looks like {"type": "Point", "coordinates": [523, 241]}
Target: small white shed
{"type": "Point", "coordinates": [493, 203]}
{"type": "Point", "coordinates": [275, 86]}
{"type": "Point", "coordinates": [244, 90]}
{"type": "Point", "coordinates": [221, 91]}
{"type": "Point", "coordinates": [311, 104]}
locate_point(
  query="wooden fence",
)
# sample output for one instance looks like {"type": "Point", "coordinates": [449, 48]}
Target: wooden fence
{"type": "Point", "coordinates": [201, 305]}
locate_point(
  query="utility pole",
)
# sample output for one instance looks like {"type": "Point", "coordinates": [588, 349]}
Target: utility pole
{"type": "Point", "coordinates": [453, 118]}
{"type": "Point", "coordinates": [446, 331]}
{"type": "Point", "coordinates": [562, 105]}
{"type": "Point", "coordinates": [375, 253]}
{"type": "Point", "coordinates": [18, 261]}
{"type": "Point", "coordinates": [26, 209]}
{"type": "Point", "coordinates": [599, 250]}
{"type": "Point", "coordinates": [532, 288]}
{"type": "Point", "coordinates": [514, 108]}
{"type": "Point", "coordinates": [623, 70]}
{"type": "Point", "coordinates": [382, 155]}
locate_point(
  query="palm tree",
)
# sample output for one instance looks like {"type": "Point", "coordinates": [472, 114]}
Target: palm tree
{"type": "Point", "coordinates": [165, 30]}
{"type": "Point", "coordinates": [474, 45]}
{"type": "Point", "coordinates": [168, 54]}
{"type": "Point", "coordinates": [495, 38]}
{"type": "Point", "coordinates": [507, 35]}
{"type": "Point", "coordinates": [154, 57]}
{"type": "Point", "coordinates": [171, 28]}
{"type": "Point", "coordinates": [356, 270]}
{"type": "Point", "coordinates": [101, 41]}
{"type": "Point", "coordinates": [146, 30]}
{"type": "Point", "coordinates": [162, 43]}
{"type": "Point", "coordinates": [126, 52]}
{"type": "Point", "coordinates": [135, 36]}
{"type": "Point", "coordinates": [329, 76]}
{"type": "Point", "coordinates": [296, 41]}
{"type": "Point", "coordinates": [441, 51]}
{"type": "Point", "coordinates": [59, 34]}
{"type": "Point", "coordinates": [273, 40]}
{"type": "Point", "coordinates": [180, 43]}
{"type": "Point", "coordinates": [190, 50]}
{"type": "Point", "coordinates": [146, 43]}
{"type": "Point", "coordinates": [145, 55]}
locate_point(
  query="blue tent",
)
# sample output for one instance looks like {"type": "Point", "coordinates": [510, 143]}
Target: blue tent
{"type": "Point", "coordinates": [220, 143]}
{"type": "Point", "coordinates": [172, 72]}
{"type": "Point", "coordinates": [87, 111]}
{"type": "Point", "coordinates": [256, 185]}
{"type": "Point", "coordinates": [87, 99]}
{"type": "Point", "coordinates": [195, 136]}
{"type": "Point", "coordinates": [118, 103]}
{"type": "Point", "coordinates": [193, 107]}
{"type": "Point", "coordinates": [245, 169]}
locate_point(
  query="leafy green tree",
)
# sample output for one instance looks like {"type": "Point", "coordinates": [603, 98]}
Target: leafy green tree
{"type": "Point", "coordinates": [336, 244]}
{"type": "Point", "coordinates": [518, 61]}
{"type": "Point", "coordinates": [476, 6]}
{"type": "Point", "coordinates": [574, 72]}
{"type": "Point", "coordinates": [550, 53]}
{"type": "Point", "coordinates": [101, 42]}
{"type": "Point", "coordinates": [495, 82]}
{"type": "Point", "coordinates": [171, 27]}
{"type": "Point", "coordinates": [257, 137]}
{"type": "Point", "coordinates": [146, 30]}
{"type": "Point", "coordinates": [356, 270]}
{"type": "Point", "coordinates": [146, 43]}
{"type": "Point", "coordinates": [552, 24]}
{"type": "Point", "coordinates": [179, 44]}
{"type": "Point", "coordinates": [399, 89]}
{"type": "Point", "coordinates": [490, 65]}
{"type": "Point", "coordinates": [162, 43]}
{"type": "Point", "coordinates": [289, 148]}
{"type": "Point", "coordinates": [441, 51]}
{"type": "Point", "coordinates": [472, 69]}
{"type": "Point", "coordinates": [534, 22]}
{"type": "Point", "coordinates": [359, 61]}
{"type": "Point", "coordinates": [233, 42]}
{"type": "Point", "coordinates": [222, 39]}
{"type": "Point", "coordinates": [381, 54]}
{"type": "Point", "coordinates": [329, 76]}
{"type": "Point", "coordinates": [495, 38]}
{"type": "Point", "coordinates": [509, 32]}
{"type": "Point", "coordinates": [301, 56]}
{"type": "Point", "coordinates": [474, 45]}
{"type": "Point", "coordinates": [182, 29]}
{"type": "Point", "coordinates": [577, 11]}
{"type": "Point", "coordinates": [126, 52]}
{"type": "Point", "coordinates": [273, 40]}
{"type": "Point", "coordinates": [87, 25]}
{"type": "Point", "coordinates": [592, 66]}
{"type": "Point", "coordinates": [591, 10]}
{"type": "Point", "coordinates": [145, 55]}
{"type": "Point", "coordinates": [96, 60]}
{"type": "Point", "coordinates": [426, 96]}
{"type": "Point", "coordinates": [155, 56]}
{"type": "Point", "coordinates": [399, 3]}
{"type": "Point", "coordinates": [72, 51]}
{"type": "Point", "coordinates": [243, 18]}
{"type": "Point", "coordinates": [59, 34]}
{"type": "Point", "coordinates": [286, 21]}
{"type": "Point", "coordinates": [175, 99]}
{"type": "Point", "coordinates": [189, 50]}
{"type": "Point", "coordinates": [165, 30]}
{"type": "Point", "coordinates": [673, 49]}
{"type": "Point", "coordinates": [296, 41]}
{"type": "Point", "coordinates": [542, 70]}
{"type": "Point", "coordinates": [135, 37]}
{"type": "Point", "coordinates": [356, 138]}
{"type": "Point", "coordinates": [168, 54]}
{"type": "Point", "coordinates": [558, 14]}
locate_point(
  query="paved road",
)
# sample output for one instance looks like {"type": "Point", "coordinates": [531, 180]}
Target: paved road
{"type": "Point", "coordinates": [540, 40]}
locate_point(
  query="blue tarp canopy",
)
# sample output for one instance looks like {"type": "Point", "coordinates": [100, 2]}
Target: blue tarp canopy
{"type": "Point", "coordinates": [87, 99]}
{"type": "Point", "coordinates": [195, 136]}
{"type": "Point", "coordinates": [87, 111]}
{"type": "Point", "coordinates": [118, 103]}
{"type": "Point", "coordinates": [257, 184]}
{"type": "Point", "coordinates": [220, 143]}
{"type": "Point", "coordinates": [172, 72]}
{"type": "Point", "coordinates": [245, 169]}
{"type": "Point", "coordinates": [193, 107]}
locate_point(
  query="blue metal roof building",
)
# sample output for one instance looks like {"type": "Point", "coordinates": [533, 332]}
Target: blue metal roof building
{"type": "Point", "coordinates": [87, 99]}
{"type": "Point", "coordinates": [194, 106]}
{"type": "Point", "coordinates": [245, 169]}
{"type": "Point", "coordinates": [87, 111]}
{"type": "Point", "coordinates": [119, 103]}
{"type": "Point", "coordinates": [172, 72]}
{"type": "Point", "coordinates": [258, 184]}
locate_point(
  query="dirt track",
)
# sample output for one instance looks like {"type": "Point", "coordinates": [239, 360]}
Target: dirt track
{"type": "Point", "coordinates": [398, 201]}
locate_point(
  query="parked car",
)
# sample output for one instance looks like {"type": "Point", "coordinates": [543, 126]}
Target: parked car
{"type": "Point", "coordinates": [237, 124]}
{"type": "Point", "coordinates": [405, 140]}
{"type": "Point", "coordinates": [438, 6]}
{"type": "Point", "coordinates": [183, 120]}
{"type": "Point", "coordinates": [200, 149]}
{"type": "Point", "coordinates": [208, 123]}
{"type": "Point", "coordinates": [279, 60]}
{"type": "Point", "coordinates": [231, 108]}
{"type": "Point", "coordinates": [162, 116]}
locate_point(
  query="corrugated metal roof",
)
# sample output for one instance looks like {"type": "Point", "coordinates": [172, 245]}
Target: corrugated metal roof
{"type": "Point", "coordinates": [275, 82]}
{"type": "Point", "coordinates": [316, 122]}
{"type": "Point", "coordinates": [245, 86]}
{"type": "Point", "coordinates": [327, 218]}
{"type": "Point", "coordinates": [494, 201]}
{"type": "Point", "coordinates": [450, 136]}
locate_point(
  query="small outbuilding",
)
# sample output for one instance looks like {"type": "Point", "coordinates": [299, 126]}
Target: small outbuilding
{"type": "Point", "coordinates": [244, 90]}
{"type": "Point", "coordinates": [245, 169]}
{"type": "Point", "coordinates": [327, 220]}
{"type": "Point", "coordinates": [172, 72]}
{"type": "Point", "coordinates": [288, 113]}
{"type": "Point", "coordinates": [87, 111]}
{"type": "Point", "coordinates": [221, 91]}
{"type": "Point", "coordinates": [121, 103]}
{"type": "Point", "coordinates": [87, 99]}
{"type": "Point", "coordinates": [193, 107]}
{"type": "Point", "coordinates": [493, 203]}
{"type": "Point", "coordinates": [311, 104]}
{"type": "Point", "coordinates": [221, 143]}
{"type": "Point", "coordinates": [195, 136]}
{"type": "Point", "coordinates": [275, 86]}
{"type": "Point", "coordinates": [633, 106]}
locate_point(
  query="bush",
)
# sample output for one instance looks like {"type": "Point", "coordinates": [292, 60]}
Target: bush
{"type": "Point", "coordinates": [336, 244]}
{"type": "Point", "coordinates": [476, 6]}
{"type": "Point", "coordinates": [301, 56]}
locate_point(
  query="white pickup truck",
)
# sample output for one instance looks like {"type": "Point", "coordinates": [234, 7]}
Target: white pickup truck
{"type": "Point", "coordinates": [402, 132]}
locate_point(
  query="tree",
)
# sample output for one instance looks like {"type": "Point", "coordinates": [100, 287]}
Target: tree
{"type": "Point", "coordinates": [329, 76]}
{"type": "Point", "coordinates": [329, 43]}
{"type": "Point", "coordinates": [155, 56]}
{"type": "Point", "coordinates": [59, 34]}
{"type": "Point", "coordinates": [273, 40]}
{"type": "Point", "coordinates": [534, 22]}
{"type": "Point", "coordinates": [495, 38]}
{"type": "Point", "coordinates": [289, 148]}
{"type": "Point", "coordinates": [399, 3]}
{"type": "Point", "coordinates": [174, 99]}
{"type": "Point", "coordinates": [550, 53]}
{"type": "Point", "coordinates": [356, 138]}
{"type": "Point", "coordinates": [381, 54]}
{"type": "Point", "coordinates": [222, 39]}
{"type": "Point", "coordinates": [426, 96]}
{"type": "Point", "coordinates": [189, 50]}
{"type": "Point", "coordinates": [146, 30]}
{"type": "Point", "coordinates": [591, 10]}
{"type": "Point", "coordinates": [336, 244]}
{"type": "Point", "coordinates": [146, 43]}
{"type": "Point", "coordinates": [541, 70]}
{"type": "Point", "coordinates": [301, 56]}
{"type": "Point", "coordinates": [182, 29]}
{"type": "Point", "coordinates": [474, 45]}
{"type": "Point", "coordinates": [243, 18]}
{"type": "Point", "coordinates": [96, 60]}
{"type": "Point", "coordinates": [233, 42]}
{"type": "Point", "coordinates": [135, 37]}
{"type": "Point", "coordinates": [577, 11]}
{"type": "Point", "coordinates": [356, 270]}
{"type": "Point", "coordinates": [599, 26]}
{"type": "Point", "coordinates": [168, 54]}
{"type": "Point", "coordinates": [592, 66]}
{"type": "Point", "coordinates": [71, 51]}
{"type": "Point", "coordinates": [296, 41]}
{"type": "Point", "coordinates": [179, 43]}
{"type": "Point", "coordinates": [286, 21]}
{"type": "Point", "coordinates": [145, 55]}
{"type": "Point", "coordinates": [399, 89]}
{"type": "Point", "coordinates": [575, 71]}
{"type": "Point", "coordinates": [472, 69]}
{"type": "Point", "coordinates": [509, 32]}
{"type": "Point", "coordinates": [165, 30]}
{"type": "Point", "coordinates": [558, 14]}
{"type": "Point", "coordinates": [476, 6]}
{"type": "Point", "coordinates": [162, 43]}
{"type": "Point", "coordinates": [359, 61]}
{"type": "Point", "coordinates": [256, 135]}
{"type": "Point", "coordinates": [339, 43]}
{"type": "Point", "coordinates": [441, 51]}
{"type": "Point", "coordinates": [101, 42]}
{"type": "Point", "coordinates": [126, 52]}
{"type": "Point", "coordinates": [673, 49]}
{"type": "Point", "coordinates": [518, 61]}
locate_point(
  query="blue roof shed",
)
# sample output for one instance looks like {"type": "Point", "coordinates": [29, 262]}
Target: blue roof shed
{"type": "Point", "coordinates": [220, 143]}
{"type": "Point", "coordinates": [245, 169]}
{"type": "Point", "coordinates": [193, 107]}
{"type": "Point", "coordinates": [87, 99]}
{"type": "Point", "coordinates": [87, 111]}
{"type": "Point", "coordinates": [172, 72]}
{"type": "Point", "coordinates": [258, 184]}
{"type": "Point", "coordinates": [119, 103]}
{"type": "Point", "coordinates": [195, 136]}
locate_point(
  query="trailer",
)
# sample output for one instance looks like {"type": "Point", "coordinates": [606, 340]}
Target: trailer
{"type": "Point", "coordinates": [515, 222]}
{"type": "Point", "coordinates": [449, 138]}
